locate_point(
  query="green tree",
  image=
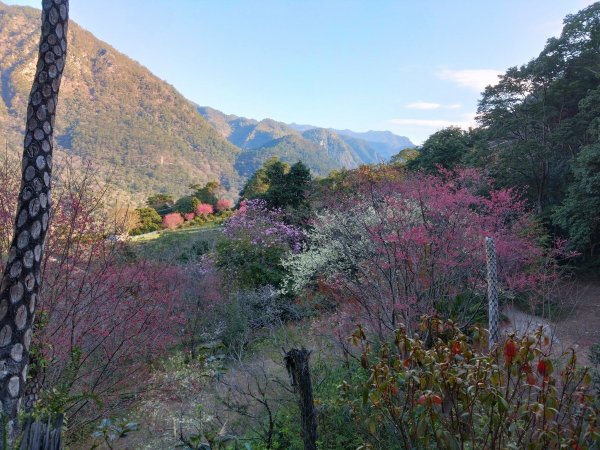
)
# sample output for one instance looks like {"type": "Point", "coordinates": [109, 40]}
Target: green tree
{"type": "Point", "coordinates": [186, 204]}
{"type": "Point", "coordinates": [533, 116]}
{"type": "Point", "coordinates": [259, 183]}
{"type": "Point", "coordinates": [162, 203]}
{"type": "Point", "coordinates": [280, 185]}
{"type": "Point", "coordinates": [298, 181]}
{"type": "Point", "coordinates": [276, 173]}
{"type": "Point", "coordinates": [149, 220]}
{"type": "Point", "coordinates": [404, 156]}
{"type": "Point", "coordinates": [209, 193]}
{"type": "Point", "coordinates": [445, 148]}
{"type": "Point", "coordinates": [579, 214]}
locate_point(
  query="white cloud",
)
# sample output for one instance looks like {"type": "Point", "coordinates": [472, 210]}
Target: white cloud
{"type": "Point", "coordinates": [430, 105]}
{"type": "Point", "coordinates": [467, 121]}
{"type": "Point", "coordinates": [423, 105]}
{"type": "Point", "coordinates": [476, 79]}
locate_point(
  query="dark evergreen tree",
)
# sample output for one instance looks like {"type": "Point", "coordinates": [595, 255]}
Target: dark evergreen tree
{"type": "Point", "coordinates": [446, 148]}
{"type": "Point", "coordinates": [579, 214]}
{"type": "Point", "coordinates": [298, 182]}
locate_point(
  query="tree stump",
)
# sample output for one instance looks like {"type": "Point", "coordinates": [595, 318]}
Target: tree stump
{"type": "Point", "coordinates": [296, 363]}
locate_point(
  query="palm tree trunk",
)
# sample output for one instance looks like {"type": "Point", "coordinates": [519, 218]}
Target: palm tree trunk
{"type": "Point", "coordinates": [22, 275]}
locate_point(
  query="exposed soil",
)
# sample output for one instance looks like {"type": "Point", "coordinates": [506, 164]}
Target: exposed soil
{"type": "Point", "coordinates": [578, 329]}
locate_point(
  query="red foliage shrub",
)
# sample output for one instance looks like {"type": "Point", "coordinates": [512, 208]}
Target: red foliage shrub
{"type": "Point", "coordinates": [172, 220]}
{"type": "Point", "coordinates": [224, 204]}
{"type": "Point", "coordinates": [204, 209]}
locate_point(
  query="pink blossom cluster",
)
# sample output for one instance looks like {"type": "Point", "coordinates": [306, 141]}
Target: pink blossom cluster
{"type": "Point", "coordinates": [425, 244]}
{"type": "Point", "coordinates": [204, 209]}
{"type": "Point", "coordinates": [224, 204]}
{"type": "Point", "coordinates": [172, 220]}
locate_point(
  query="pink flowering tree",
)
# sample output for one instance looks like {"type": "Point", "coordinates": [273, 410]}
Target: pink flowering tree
{"type": "Point", "coordinates": [204, 209]}
{"type": "Point", "coordinates": [224, 204]}
{"type": "Point", "coordinates": [172, 220]}
{"type": "Point", "coordinates": [189, 216]}
{"type": "Point", "coordinates": [102, 318]}
{"type": "Point", "coordinates": [399, 248]}
{"type": "Point", "coordinates": [203, 291]}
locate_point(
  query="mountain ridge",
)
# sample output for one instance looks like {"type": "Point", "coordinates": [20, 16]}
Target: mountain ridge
{"type": "Point", "coordinates": [139, 132]}
{"type": "Point", "coordinates": [342, 148]}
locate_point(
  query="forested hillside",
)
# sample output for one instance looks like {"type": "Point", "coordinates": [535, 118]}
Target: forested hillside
{"type": "Point", "coordinates": [324, 148]}
{"type": "Point", "coordinates": [136, 129]}
{"type": "Point", "coordinates": [540, 133]}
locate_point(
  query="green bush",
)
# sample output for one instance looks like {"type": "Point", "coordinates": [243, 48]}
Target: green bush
{"type": "Point", "coordinates": [249, 266]}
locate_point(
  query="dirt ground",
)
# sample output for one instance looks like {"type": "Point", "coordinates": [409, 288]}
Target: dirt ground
{"type": "Point", "coordinates": [578, 329]}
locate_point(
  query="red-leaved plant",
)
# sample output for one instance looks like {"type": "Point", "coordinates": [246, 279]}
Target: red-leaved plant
{"type": "Point", "coordinates": [447, 391]}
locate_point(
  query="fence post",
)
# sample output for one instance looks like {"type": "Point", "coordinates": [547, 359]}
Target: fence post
{"type": "Point", "coordinates": [492, 280]}
{"type": "Point", "coordinates": [42, 435]}
{"type": "Point", "coordinates": [296, 363]}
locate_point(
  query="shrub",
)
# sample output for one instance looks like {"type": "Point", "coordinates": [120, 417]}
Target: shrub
{"type": "Point", "coordinates": [149, 220]}
{"type": "Point", "coordinates": [224, 204]}
{"type": "Point", "coordinates": [204, 209]}
{"type": "Point", "coordinates": [450, 394]}
{"type": "Point", "coordinates": [172, 221]}
{"type": "Point", "coordinates": [256, 239]}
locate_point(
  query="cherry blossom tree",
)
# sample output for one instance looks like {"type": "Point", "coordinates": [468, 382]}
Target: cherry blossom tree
{"type": "Point", "coordinates": [172, 220]}
{"type": "Point", "coordinates": [224, 204]}
{"type": "Point", "coordinates": [204, 209]}
{"type": "Point", "coordinates": [399, 248]}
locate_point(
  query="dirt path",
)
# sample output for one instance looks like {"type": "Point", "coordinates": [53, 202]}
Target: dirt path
{"type": "Point", "coordinates": [579, 329]}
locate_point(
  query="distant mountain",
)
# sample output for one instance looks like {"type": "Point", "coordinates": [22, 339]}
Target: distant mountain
{"type": "Point", "coordinates": [144, 136]}
{"type": "Point", "coordinates": [245, 133]}
{"type": "Point", "coordinates": [385, 142]}
{"type": "Point", "coordinates": [321, 149]}
{"type": "Point", "coordinates": [136, 129]}
{"type": "Point", "coordinates": [289, 149]}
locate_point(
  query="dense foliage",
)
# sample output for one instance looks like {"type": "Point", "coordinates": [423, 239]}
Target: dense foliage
{"type": "Point", "coordinates": [256, 240]}
{"type": "Point", "coordinates": [453, 394]}
{"type": "Point", "coordinates": [399, 248]}
{"type": "Point", "coordinates": [539, 131]}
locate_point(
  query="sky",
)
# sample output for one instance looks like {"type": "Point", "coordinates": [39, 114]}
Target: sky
{"type": "Point", "coordinates": [411, 67]}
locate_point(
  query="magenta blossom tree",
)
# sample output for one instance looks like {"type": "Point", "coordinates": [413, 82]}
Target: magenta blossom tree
{"type": "Point", "coordinates": [263, 226]}
{"type": "Point", "coordinates": [256, 240]}
{"type": "Point", "coordinates": [400, 248]}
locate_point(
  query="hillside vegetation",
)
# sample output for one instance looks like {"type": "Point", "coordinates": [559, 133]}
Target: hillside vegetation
{"type": "Point", "coordinates": [320, 148]}
{"type": "Point", "coordinates": [138, 130]}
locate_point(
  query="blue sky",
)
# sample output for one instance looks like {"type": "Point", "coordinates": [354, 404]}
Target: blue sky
{"type": "Point", "coordinates": [411, 67]}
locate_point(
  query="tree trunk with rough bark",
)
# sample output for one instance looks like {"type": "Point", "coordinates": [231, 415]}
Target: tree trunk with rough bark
{"type": "Point", "coordinates": [22, 276]}
{"type": "Point", "coordinates": [296, 363]}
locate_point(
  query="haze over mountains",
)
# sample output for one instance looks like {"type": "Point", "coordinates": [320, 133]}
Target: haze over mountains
{"type": "Point", "coordinates": [141, 133]}
{"type": "Point", "coordinates": [321, 149]}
